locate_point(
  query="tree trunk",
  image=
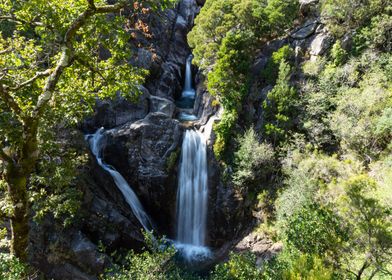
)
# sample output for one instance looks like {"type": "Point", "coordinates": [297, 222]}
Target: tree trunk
{"type": "Point", "coordinates": [17, 176]}
{"type": "Point", "coordinates": [17, 190]}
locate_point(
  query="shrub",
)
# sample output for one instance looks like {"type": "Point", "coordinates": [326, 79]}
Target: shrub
{"type": "Point", "coordinates": [315, 230]}
{"type": "Point", "coordinates": [345, 15]}
{"type": "Point", "coordinates": [239, 267]}
{"type": "Point", "coordinates": [11, 268]}
{"type": "Point", "coordinates": [279, 106]}
{"type": "Point", "coordinates": [224, 131]}
{"type": "Point", "coordinates": [253, 161]}
{"type": "Point", "coordinates": [271, 71]}
{"type": "Point", "coordinates": [339, 55]}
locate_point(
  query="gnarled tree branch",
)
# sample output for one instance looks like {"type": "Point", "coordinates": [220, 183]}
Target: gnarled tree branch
{"type": "Point", "coordinates": [67, 51]}
{"type": "Point", "coordinates": [37, 75]}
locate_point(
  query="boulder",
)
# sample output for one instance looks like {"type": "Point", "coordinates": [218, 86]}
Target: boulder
{"type": "Point", "coordinates": [86, 255]}
{"type": "Point", "coordinates": [163, 105]}
{"type": "Point", "coordinates": [320, 44]}
{"type": "Point", "coordinates": [309, 8]}
{"type": "Point", "coordinates": [259, 244]}
{"type": "Point", "coordinates": [305, 30]}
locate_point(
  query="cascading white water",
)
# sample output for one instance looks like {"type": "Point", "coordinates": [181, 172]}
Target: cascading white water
{"type": "Point", "coordinates": [97, 143]}
{"type": "Point", "coordinates": [188, 95]}
{"type": "Point", "coordinates": [192, 197]}
{"type": "Point", "coordinates": [188, 91]}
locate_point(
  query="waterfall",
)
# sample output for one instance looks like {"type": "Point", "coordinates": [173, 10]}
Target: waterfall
{"type": "Point", "coordinates": [192, 197]}
{"type": "Point", "coordinates": [188, 95]}
{"type": "Point", "coordinates": [97, 143]}
{"type": "Point", "coordinates": [188, 91]}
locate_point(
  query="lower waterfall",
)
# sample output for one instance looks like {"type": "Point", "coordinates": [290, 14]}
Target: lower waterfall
{"type": "Point", "coordinates": [97, 143]}
{"type": "Point", "coordinates": [192, 197]}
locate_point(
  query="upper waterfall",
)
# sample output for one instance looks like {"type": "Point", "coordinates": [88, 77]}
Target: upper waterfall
{"type": "Point", "coordinates": [188, 91]}
{"type": "Point", "coordinates": [97, 143]}
{"type": "Point", "coordinates": [188, 94]}
{"type": "Point", "coordinates": [192, 196]}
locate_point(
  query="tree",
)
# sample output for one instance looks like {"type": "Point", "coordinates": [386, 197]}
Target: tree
{"type": "Point", "coordinates": [370, 246]}
{"type": "Point", "coordinates": [51, 71]}
{"type": "Point", "coordinates": [279, 106]}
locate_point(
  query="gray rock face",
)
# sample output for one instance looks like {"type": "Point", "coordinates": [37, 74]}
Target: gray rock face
{"type": "Point", "coordinates": [167, 82]}
{"type": "Point", "coordinates": [306, 30]}
{"type": "Point", "coordinates": [309, 7]}
{"type": "Point", "coordinates": [320, 44]}
{"type": "Point", "coordinates": [86, 255]}
{"type": "Point", "coordinates": [145, 153]}
{"type": "Point", "coordinates": [162, 105]}
{"type": "Point", "coordinates": [259, 244]}
{"type": "Point", "coordinates": [110, 113]}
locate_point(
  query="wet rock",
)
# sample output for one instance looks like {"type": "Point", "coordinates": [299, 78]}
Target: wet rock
{"type": "Point", "coordinates": [163, 105]}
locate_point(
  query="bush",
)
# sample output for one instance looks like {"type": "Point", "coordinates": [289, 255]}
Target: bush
{"type": "Point", "coordinates": [306, 175]}
{"type": "Point", "coordinates": [155, 263]}
{"type": "Point", "coordinates": [307, 267]}
{"type": "Point", "coordinates": [315, 230]}
{"type": "Point", "coordinates": [11, 268]}
{"type": "Point", "coordinates": [224, 131]}
{"type": "Point", "coordinates": [239, 267]}
{"type": "Point", "coordinates": [253, 161]}
{"type": "Point", "coordinates": [357, 120]}
{"type": "Point", "coordinates": [271, 71]}
{"type": "Point", "coordinates": [345, 15]}
{"type": "Point", "coordinates": [279, 106]}
{"type": "Point", "coordinates": [339, 55]}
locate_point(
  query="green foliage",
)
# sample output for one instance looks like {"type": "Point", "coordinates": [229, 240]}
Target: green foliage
{"type": "Point", "coordinates": [53, 71]}
{"type": "Point", "coordinates": [331, 212]}
{"type": "Point", "coordinates": [11, 268]}
{"type": "Point", "coordinates": [306, 267]}
{"type": "Point", "coordinates": [233, 61]}
{"type": "Point", "coordinates": [211, 25]}
{"type": "Point", "coordinates": [156, 263]}
{"type": "Point", "coordinates": [271, 71]}
{"type": "Point", "coordinates": [376, 35]}
{"type": "Point", "coordinates": [253, 161]}
{"type": "Point", "coordinates": [224, 39]}
{"type": "Point", "coordinates": [224, 131]}
{"type": "Point", "coordinates": [346, 15]}
{"type": "Point", "coordinates": [281, 14]}
{"type": "Point", "coordinates": [172, 160]}
{"type": "Point", "coordinates": [280, 105]}
{"type": "Point", "coordinates": [370, 223]}
{"type": "Point", "coordinates": [339, 55]}
{"type": "Point", "coordinates": [360, 109]}
{"type": "Point", "coordinates": [315, 230]}
{"type": "Point", "coordinates": [305, 175]}
{"type": "Point", "coordinates": [239, 267]}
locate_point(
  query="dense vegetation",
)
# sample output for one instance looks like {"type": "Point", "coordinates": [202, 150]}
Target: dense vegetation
{"type": "Point", "coordinates": [325, 138]}
{"type": "Point", "coordinates": [51, 74]}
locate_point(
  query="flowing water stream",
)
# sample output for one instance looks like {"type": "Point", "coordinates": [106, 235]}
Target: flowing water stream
{"type": "Point", "coordinates": [192, 197]}
{"type": "Point", "coordinates": [192, 192]}
{"type": "Point", "coordinates": [97, 143]}
{"type": "Point", "coordinates": [187, 100]}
